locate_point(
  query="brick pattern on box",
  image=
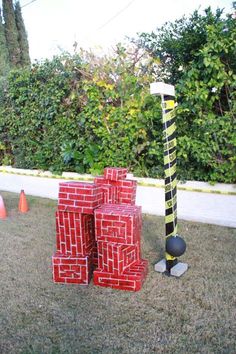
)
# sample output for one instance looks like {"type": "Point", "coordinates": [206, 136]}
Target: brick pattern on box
{"type": "Point", "coordinates": [98, 226]}
{"type": "Point", "coordinates": [126, 192]}
{"type": "Point", "coordinates": [115, 173]}
{"type": "Point", "coordinates": [109, 194]}
{"type": "Point", "coordinates": [118, 235]}
{"type": "Point", "coordinates": [118, 223]}
{"type": "Point", "coordinates": [116, 258]}
{"type": "Point", "coordinates": [109, 189]}
{"type": "Point", "coordinates": [79, 197]}
{"type": "Point", "coordinates": [75, 238]}
{"type": "Point", "coordinates": [74, 233]}
{"type": "Point", "coordinates": [119, 192]}
{"type": "Point", "coordinates": [71, 269]}
{"type": "Point", "coordinates": [132, 279]}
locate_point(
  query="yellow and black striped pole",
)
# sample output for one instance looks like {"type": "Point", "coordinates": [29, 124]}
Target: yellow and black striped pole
{"type": "Point", "coordinates": [175, 245]}
{"type": "Point", "coordinates": [169, 134]}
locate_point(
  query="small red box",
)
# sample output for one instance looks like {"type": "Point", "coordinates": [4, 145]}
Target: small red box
{"type": "Point", "coordinates": [115, 173]}
{"type": "Point", "coordinates": [115, 258]}
{"type": "Point", "coordinates": [125, 190]}
{"type": "Point", "coordinates": [118, 223]}
{"type": "Point", "coordinates": [79, 197]}
{"type": "Point", "coordinates": [71, 269]}
{"type": "Point", "coordinates": [131, 280]}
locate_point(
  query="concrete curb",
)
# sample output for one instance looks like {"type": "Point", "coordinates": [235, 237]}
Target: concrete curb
{"type": "Point", "coordinates": [218, 207]}
{"type": "Point", "coordinates": [193, 186]}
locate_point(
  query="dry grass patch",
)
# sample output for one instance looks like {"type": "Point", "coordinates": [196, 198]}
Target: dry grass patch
{"type": "Point", "coordinates": [193, 314]}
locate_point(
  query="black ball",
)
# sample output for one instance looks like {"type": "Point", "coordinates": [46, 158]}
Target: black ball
{"type": "Point", "coordinates": [175, 246]}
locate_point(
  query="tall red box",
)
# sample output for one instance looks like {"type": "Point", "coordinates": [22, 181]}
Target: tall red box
{"type": "Point", "coordinates": [74, 233]}
{"type": "Point", "coordinates": [71, 269]}
{"type": "Point", "coordinates": [75, 238]}
{"type": "Point", "coordinates": [118, 234]}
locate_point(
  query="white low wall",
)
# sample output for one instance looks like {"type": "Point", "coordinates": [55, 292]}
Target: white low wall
{"type": "Point", "coordinates": [213, 208]}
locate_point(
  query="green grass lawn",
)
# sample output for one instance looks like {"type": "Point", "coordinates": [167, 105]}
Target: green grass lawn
{"type": "Point", "coordinates": [192, 314]}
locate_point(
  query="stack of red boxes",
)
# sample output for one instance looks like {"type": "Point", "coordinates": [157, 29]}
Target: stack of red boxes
{"type": "Point", "coordinates": [111, 242]}
{"type": "Point", "coordinates": [118, 231]}
{"type": "Point", "coordinates": [117, 189]}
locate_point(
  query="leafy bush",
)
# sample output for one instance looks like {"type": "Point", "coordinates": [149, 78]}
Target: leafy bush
{"type": "Point", "coordinates": [81, 113]}
{"type": "Point", "coordinates": [207, 110]}
{"type": "Point", "coordinates": [198, 55]}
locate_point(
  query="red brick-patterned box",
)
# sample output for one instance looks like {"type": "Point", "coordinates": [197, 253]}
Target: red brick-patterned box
{"type": "Point", "coordinates": [118, 223]}
{"type": "Point", "coordinates": [115, 258]}
{"type": "Point", "coordinates": [131, 280]}
{"type": "Point", "coordinates": [109, 194]}
{"type": "Point", "coordinates": [75, 233]}
{"type": "Point", "coordinates": [79, 197]}
{"type": "Point", "coordinates": [71, 269]}
{"type": "Point", "coordinates": [115, 173]}
{"type": "Point", "coordinates": [124, 191]}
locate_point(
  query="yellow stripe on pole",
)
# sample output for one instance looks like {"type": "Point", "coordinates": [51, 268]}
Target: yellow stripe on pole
{"type": "Point", "coordinates": [169, 158]}
{"type": "Point", "coordinates": [172, 143]}
{"type": "Point", "coordinates": [168, 116]}
{"type": "Point", "coordinates": [170, 130]}
{"type": "Point", "coordinates": [170, 186]}
{"type": "Point", "coordinates": [169, 104]}
{"type": "Point", "coordinates": [170, 171]}
{"type": "Point", "coordinates": [171, 217]}
{"type": "Point", "coordinates": [169, 257]}
{"type": "Point", "coordinates": [170, 203]}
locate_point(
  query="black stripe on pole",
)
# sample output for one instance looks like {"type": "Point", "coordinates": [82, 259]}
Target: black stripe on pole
{"type": "Point", "coordinates": [167, 152]}
{"type": "Point", "coordinates": [170, 227]}
{"type": "Point", "coordinates": [168, 98]}
{"type": "Point", "coordinates": [169, 123]}
{"type": "Point", "coordinates": [170, 164]}
{"type": "Point", "coordinates": [171, 194]}
{"type": "Point", "coordinates": [170, 210]}
{"type": "Point", "coordinates": [170, 179]}
{"type": "Point", "coordinates": [172, 137]}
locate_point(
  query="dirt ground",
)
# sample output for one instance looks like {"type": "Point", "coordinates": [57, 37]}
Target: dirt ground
{"type": "Point", "coordinates": [193, 314]}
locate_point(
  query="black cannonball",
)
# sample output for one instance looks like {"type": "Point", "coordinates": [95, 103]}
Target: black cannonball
{"type": "Point", "coordinates": [175, 246]}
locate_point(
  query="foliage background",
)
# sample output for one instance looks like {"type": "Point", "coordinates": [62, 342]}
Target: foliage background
{"type": "Point", "coordinates": [82, 112]}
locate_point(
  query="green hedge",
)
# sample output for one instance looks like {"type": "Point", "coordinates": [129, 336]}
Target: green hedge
{"type": "Point", "coordinates": [64, 115]}
{"type": "Point", "coordinates": [83, 113]}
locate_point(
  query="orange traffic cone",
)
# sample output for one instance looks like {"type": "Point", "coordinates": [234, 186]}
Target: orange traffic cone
{"type": "Point", "coordinates": [3, 213]}
{"type": "Point", "coordinates": [23, 205]}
